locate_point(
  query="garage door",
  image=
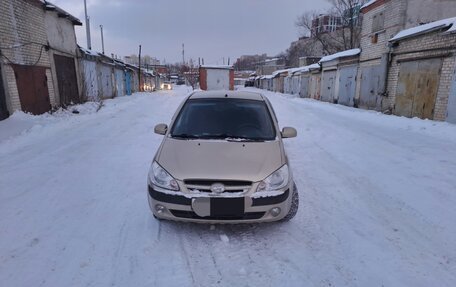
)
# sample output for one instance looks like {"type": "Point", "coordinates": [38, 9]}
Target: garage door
{"type": "Point", "coordinates": [417, 88]}
{"type": "Point", "coordinates": [33, 89]}
{"type": "Point", "coordinates": [372, 80]}
{"type": "Point", "coordinates": [347, 85]}
{"type": "Point", "coordinates": [3, 110]}
{"type": "Point", "coordinates": [327, 86]}
{"type": "Point", "coordinates": [451, 110]}
{"type": "Point", "coordinates": [66, 80]}
{"type": "Point", "coordinates": [218, 79]}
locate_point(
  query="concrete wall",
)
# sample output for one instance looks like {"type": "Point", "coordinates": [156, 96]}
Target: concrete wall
{"type": "Point", "coordinates": [60, 33]}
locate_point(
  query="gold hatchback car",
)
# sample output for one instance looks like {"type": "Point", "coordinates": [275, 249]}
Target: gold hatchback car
{"type": "Point", "coordinates": [222, 160]}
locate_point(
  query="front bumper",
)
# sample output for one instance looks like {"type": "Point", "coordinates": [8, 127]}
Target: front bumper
{"type": "Point", "coordinates": [181, 208]}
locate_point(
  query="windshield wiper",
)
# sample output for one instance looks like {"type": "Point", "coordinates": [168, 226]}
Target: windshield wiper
{"type": "Point", "coordinates": [185, 136]}
{"type": "Point", "coordinates": [244, 139]}
{"type": "Point", "coordinates": [232, 138]}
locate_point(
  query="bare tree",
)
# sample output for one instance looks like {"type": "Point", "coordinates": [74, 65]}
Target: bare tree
{"type": "Point", "coordinates": [345, 36]}
{"type": "Point", "coordinates": [191, 74]}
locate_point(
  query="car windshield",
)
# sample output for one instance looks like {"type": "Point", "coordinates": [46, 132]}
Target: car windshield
{"type": "Point", "coordinates": [235, 119]}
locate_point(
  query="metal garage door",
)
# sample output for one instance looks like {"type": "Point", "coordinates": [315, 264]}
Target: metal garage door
{"type": "Point", "coordinates": [347, 85]}
{"type": "Point", "coordinates": [451, 110]}
{"type": "Point", "coordinates": [372, 80]}
{"type": "Point", "coordinates": [3, 109]}
{"type": "Point", "coordinates": [304, 93]}
{"type": "Point", "coordinates": [33, 89]}
{"type": "Point", "coordinates": [327, 86]}
{"type": "Point", "coordinates": [66, 80]}
{"type": "Point", "coordinates": [417, 88]}
{"type": "Point", "coordinates": [315, 84]}
{"type": "Point", "coordinates": [105, 77]}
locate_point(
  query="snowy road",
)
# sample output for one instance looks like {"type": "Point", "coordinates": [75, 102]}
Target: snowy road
{"type": "Point", "coordinates": [378, 203]}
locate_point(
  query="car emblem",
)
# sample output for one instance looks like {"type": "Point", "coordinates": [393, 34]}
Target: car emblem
{"type": "Point", "coordinates": [217, 188]}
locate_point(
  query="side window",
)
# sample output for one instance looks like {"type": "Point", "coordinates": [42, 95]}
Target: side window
{"type": "Point", "coordinates": [378, 22]}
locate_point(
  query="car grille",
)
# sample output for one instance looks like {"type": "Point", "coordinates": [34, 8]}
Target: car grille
{"type": "Point", "coordinates": [192, 215]}
{"type": "Point", "coordinates": [231, 186]}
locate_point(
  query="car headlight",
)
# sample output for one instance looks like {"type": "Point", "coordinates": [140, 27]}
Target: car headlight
{"type": "Point", "coordinates": [161, 178]}
{"type": "Point", "coordinates": [277, 180]}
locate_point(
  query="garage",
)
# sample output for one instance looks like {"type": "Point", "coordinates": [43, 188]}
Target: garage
{"type": "Point", "coordinates": [417, 88]}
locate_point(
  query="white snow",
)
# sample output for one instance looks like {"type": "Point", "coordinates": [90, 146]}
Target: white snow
{"type": "Point", "coordinates": [347, 53]}
{"type": "Point", "coordinates": [426, 28]}
{"type": "Point", "coordinates": [377, 197]}
{"type": "Point", "coordinates": [227, 67]}
{"type": "Point", "coordinates": [275, 73]}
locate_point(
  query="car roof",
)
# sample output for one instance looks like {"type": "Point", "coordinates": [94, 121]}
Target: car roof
{"type": "Point", "coordinates": [227, 94]}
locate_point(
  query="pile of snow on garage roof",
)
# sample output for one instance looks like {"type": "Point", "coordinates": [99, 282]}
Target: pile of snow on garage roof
{"type": "Point", "coordinates": [426, 28]}
{"type": "Point", "coordinates": [347, 53]}
{"type": "Point", "coordinates": [217, 66]}
{"type": "Point", "coordinates": [368, 4]}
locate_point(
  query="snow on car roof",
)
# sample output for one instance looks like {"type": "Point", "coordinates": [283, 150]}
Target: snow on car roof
{"type": "Point", "coordinates": [224, 94]}
{"type": "Point", "coordinates": [347, 53]}
{"type": "Point", "coordinates": [426, 28]}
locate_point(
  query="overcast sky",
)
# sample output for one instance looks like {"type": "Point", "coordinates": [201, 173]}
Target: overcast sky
{"type": "Point", "coordinates": [211, 29]}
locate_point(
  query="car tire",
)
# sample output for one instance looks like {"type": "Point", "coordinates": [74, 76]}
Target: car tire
{"type": "Point", "coordinates": [294, 204]}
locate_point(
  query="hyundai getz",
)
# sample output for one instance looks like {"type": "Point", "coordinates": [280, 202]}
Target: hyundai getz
{"type": "Point", "coordinates": [222, 160]}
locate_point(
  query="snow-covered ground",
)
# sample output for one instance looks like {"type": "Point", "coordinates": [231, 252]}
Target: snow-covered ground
{"type": "Point", "coordinates": [378, 203]}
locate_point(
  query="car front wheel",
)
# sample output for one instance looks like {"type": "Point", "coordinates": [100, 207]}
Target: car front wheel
{"type": "Point", "coordinates": [294, 204]}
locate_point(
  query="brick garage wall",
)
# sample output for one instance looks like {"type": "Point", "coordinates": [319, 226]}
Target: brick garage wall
{"type": "Point", "coordinates": [22, 22]}
{"type": "Point", "coordinates": [203, 79]}
{"type": "Point", "coordinates": [231, 79]}
{"type": "Point", "coordinates": [431, 45]}
{"type": "Point", "coordinates": [394, 13]}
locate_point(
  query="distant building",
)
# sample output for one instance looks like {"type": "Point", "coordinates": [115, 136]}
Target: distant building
{"type": "Point", "coordinates": [269, 66]}
{"type": "Point", "coordinates": [325, 23]}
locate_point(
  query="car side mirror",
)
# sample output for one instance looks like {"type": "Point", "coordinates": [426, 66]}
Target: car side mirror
{"type": "Point", "coordinates": [161, 129]}
{"type": "Point", "coordinates": [288, 132]}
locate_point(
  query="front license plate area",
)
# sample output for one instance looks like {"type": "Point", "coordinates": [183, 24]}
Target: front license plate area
{"type": "Point", "coordinates": [229, 207]}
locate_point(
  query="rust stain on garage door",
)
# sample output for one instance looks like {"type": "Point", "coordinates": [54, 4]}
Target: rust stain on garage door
{"type": "Point", "coordinates": [417, 88]}
{"type": "Point", "coordinates": [33, 89]}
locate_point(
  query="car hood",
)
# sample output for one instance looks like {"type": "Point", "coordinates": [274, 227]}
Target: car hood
{"type": "Point", "coordinates": [219, 159]}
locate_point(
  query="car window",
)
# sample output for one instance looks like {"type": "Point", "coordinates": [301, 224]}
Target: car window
{"type": "Point", "coordinates": [224, 118]}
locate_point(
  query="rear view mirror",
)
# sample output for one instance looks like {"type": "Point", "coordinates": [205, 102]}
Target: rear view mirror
{"type": "Point", "coordinates": [161, 129]}
{"type": "Point", "coordinates": [288, 132]}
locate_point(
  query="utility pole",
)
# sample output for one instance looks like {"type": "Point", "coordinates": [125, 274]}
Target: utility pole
{"type": "Point", "coordinates": [183, 54]}
{"type": "Point", "coordinates": [139, 74]}
{"type": "Point", "coordinates": [102, 39]}
{"type": "Point", "coordinates": [87, 21]}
